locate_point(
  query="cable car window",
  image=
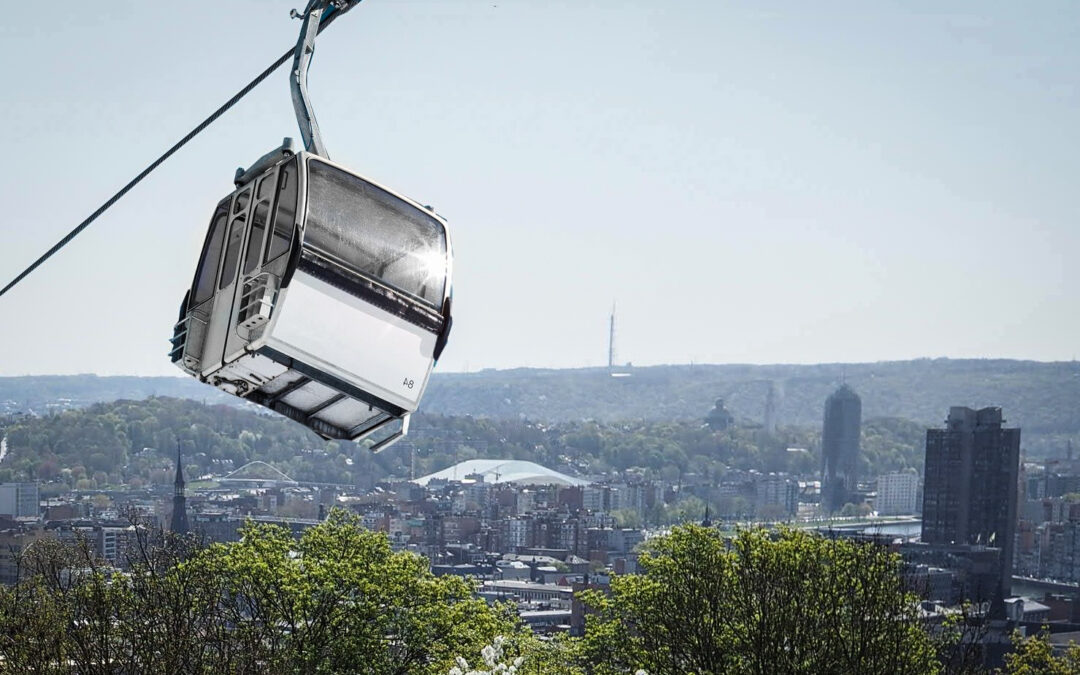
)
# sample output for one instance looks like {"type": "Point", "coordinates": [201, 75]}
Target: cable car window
{"type": "Point", "coordinates": [375, 232]}
{"type": "Point", "coordinates": [211, 256]}
{"type": "Point", "coordinates": [255, 239]}
{"type": "Point", "coordinates": [285, 215]}
{"type": "Point", "coordinates": [232, 252]}
{"type": "Point", "coordinates": [241, 201]}
{"type": "Point", "coordinates": [265, 189]}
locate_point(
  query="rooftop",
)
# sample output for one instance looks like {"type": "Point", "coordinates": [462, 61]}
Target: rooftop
{"type": "Point", "coordinates": [496, 471]}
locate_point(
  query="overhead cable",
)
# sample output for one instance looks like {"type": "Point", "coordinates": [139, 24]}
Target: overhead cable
{"type": "Point", "coordinates": [327, 18]}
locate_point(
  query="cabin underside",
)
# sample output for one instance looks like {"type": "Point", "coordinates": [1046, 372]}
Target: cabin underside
{"type": "Point", "coordinates": [329, 406]}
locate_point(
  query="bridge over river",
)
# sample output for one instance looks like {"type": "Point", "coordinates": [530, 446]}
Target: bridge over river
{"type": "Point", "coordinates": [1031, 587]}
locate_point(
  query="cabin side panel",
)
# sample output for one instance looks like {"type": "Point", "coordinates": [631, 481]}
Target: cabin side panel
{"type": "Point", "coordinates": [332, 329]}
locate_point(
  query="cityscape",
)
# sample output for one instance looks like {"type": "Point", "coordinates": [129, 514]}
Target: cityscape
{"type": "Point", "coordinates": [579, 338]}
{"type": "Point", "coordinates": [982, 530]}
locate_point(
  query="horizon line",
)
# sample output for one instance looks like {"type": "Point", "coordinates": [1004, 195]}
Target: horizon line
{"type": "Point", "coordinates": [629, 365]}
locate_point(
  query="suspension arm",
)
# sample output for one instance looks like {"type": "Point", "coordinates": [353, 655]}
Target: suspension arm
{"type": "Point", "coordinates": [317, 15]}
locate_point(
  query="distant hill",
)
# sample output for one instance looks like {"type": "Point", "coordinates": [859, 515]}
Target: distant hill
{"type": "Point", "coordinates": [135, 442]}
{"type": "Point", "coordinates": [1043, 398]}
{"type": "Point", "coordinates": [43, 393]}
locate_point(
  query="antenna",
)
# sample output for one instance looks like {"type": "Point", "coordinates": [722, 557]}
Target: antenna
{"type": "Point", "coordinates": [611, 339]}
{"type": "Point", "coordinates": [770, 409]}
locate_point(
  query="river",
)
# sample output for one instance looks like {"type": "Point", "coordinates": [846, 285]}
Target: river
{"type": "Point", "coordinates": [912, 528]}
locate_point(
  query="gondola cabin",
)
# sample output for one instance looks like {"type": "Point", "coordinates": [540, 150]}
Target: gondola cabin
{"type": "Point", "coordinates": [321, 295]}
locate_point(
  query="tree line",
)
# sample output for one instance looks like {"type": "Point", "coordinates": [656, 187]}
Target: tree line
{"type": "Point", "coordinates": [134, 443]}
{"type": "Point", "coordinates": [339, 600]}
{"type": "Point", "coordinates": [336, 600]}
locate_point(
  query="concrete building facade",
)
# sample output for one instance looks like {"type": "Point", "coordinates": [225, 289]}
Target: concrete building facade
{"type": "Point", "coordinates": [970, 486]}
{"type": "Point", "coordinates": [840, 448]}
{"type": "Point", "coordinates": [19, 500]}
{"type": "Point", "coordinates": [897, 494]}
{"type": "Point", "coordinates": [775, 495]}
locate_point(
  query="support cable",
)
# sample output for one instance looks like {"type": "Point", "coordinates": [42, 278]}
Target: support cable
{"type": "Point", "coordinates": [327, 18]}
{"type": "Point", "coordinates": [146, 172]}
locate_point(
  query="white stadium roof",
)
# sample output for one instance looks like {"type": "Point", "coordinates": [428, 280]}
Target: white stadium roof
{"type": "Point", "coordinates": [504, 471]}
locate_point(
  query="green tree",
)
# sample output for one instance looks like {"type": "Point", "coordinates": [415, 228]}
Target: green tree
{"type": "Point", "coordinates": [32, 641]}
{"type": "Point", "coordinates": [338, 600]}
{"type": "Point", "coordinates": [1034, 655]}
{"type": "Point", "coordinates": [764, 602]}
{"type": "Point", "coordinates": [345, 602]}
{"type": "Point", "coordinates": [687, 509]}
{"type": "Point", "coordinates": [627, 518]}
{"type": "Point", "coordinates": [959, 640]}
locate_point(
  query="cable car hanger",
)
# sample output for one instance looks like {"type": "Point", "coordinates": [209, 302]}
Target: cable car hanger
{"type": "Point", "coordinates": [316, 16]}
{"type": "Point", "coordinates": [305, 48]}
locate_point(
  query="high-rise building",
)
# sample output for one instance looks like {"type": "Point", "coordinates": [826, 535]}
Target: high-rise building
{"type": "Point", "coordinates": [19, 500]}
{"type": "Point", "coordinates": [179, 522]}
{"type": "Point", "coordinates": [777, 495]}
{"type": "Point", "coordinates": [840, 448]}
{"type": "Point", "coordinates": [970, 486]}
{"type": "Point", "coordinates": [896, 493]}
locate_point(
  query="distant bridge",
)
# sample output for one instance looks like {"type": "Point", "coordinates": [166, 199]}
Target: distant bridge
{"type": "Point", "coordinates": [1046, 584]}
{"type": "Point", "coordinates": [275, 477]}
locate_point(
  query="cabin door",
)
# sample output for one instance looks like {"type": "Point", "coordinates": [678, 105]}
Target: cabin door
{"type": "Point", "coordinates": [217, 330]}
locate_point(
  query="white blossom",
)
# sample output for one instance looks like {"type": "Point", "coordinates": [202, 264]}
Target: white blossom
{"type": "Point", "coordinates": [492, 655]}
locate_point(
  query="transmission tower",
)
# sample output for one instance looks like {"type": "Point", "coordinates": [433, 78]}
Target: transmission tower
{"type": "Point", "coordinates": [611, 339]}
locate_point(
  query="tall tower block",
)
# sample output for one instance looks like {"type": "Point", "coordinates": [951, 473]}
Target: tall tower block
{"type": "Point", "coordinates": [840, 447]}
{"type": "Point", "coordinates": [970, 490]}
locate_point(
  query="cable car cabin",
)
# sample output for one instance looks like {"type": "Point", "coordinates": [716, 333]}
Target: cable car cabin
{"type": "Point", "coordinates": [320, 295]}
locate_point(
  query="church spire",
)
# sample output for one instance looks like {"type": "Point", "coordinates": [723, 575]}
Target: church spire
{"type": "Point", "coordinates": [178, 484]}
{"type": "Point", "coordinates": [179, 522]}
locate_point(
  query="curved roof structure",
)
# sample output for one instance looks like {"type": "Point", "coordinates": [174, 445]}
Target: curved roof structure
{"type": "Point", "coordinates": [258, 472]}
{"type": "Point", "coordinates": [504, 471]}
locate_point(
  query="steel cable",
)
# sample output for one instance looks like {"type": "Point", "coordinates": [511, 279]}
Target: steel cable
{"type": "Point", "coordinates": [145, 172]}
{"type": "Point", "coordinates": [327, 19]}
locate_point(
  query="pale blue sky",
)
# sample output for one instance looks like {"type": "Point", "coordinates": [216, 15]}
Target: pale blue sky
{"type": "Point", "coordinates": [752, 182]}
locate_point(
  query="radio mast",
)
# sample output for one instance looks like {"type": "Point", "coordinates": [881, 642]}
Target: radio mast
{"type": "Point", "coordinates": [611, 339]}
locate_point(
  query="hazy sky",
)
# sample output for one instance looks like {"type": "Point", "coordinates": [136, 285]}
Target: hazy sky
{"type": "Point", "coordinates": [751, 182]}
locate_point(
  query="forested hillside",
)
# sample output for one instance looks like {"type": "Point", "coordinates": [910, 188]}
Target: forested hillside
{"type": "Point", "coordinates": [135, 442]}
{"type": "Point", "coordinates": [46, 392]}
{"type": "Point", "coordinates": [1042, 398]}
